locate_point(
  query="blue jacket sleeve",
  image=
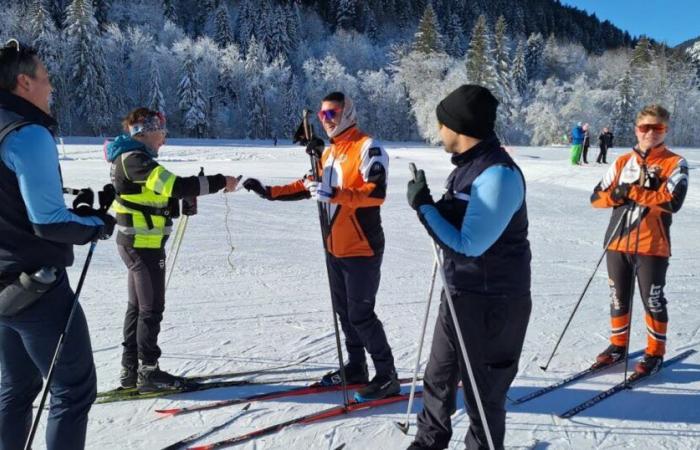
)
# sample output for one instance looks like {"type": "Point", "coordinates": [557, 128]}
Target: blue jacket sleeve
{"type": "Point", "coordinates": [31, 154]}
{"type": "Point", "coordinates": [496, 194]}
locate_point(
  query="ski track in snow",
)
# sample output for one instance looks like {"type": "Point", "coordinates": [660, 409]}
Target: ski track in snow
{"type": "Point", "coordinates": [273, 307]}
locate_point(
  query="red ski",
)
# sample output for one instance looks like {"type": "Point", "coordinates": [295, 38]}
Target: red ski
{"type": "Point", "coordinates": [306, 419]}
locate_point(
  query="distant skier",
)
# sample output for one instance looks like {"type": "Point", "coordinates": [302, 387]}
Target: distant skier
{"type": "Point", "coordinates": [586, 142]}
{"type": "Point", "coordinates": [481, 225]}
{"type": "Point", "coordinates": [352, 188]}
{"type": "Point", "coordinates": [577, 136]}
{"type": "Point", "coordinates": [647, 184]}
{"type": "Point", "coordinates": [605, 142]}
{"type": "Point", "coordinates": [146, 199]}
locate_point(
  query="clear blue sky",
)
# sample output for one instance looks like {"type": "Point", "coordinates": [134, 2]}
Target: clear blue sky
{"type": "Point", "coordinates": [670, 21]}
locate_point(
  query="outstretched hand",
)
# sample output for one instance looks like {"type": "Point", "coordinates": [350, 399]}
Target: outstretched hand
{"type": "Point", "coordinates": [417, 192]}
{"type": "Point", "coordinates": [232, 183]}
{"type": "Point", "coordinates": [253, 184]}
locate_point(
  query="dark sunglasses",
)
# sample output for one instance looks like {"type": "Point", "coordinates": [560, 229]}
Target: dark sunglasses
{"type": "Point", "coordinates": [656, 127]}
{"type": "Point", "coordinates": [328, 114]}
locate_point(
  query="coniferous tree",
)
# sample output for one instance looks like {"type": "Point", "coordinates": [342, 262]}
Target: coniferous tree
{"type": "Point", "coordinates": [642, 55]}
{"type": "Point", "coordinates": [101, 8]}
{"type": "Point", "coordinates": [624, 109]}
{"type": "Point", "coordinates": [480, 63]}
{"type": "Point", "coordinates": [224, 35]}
{"type": "Point", "coordinates": [88, 77]}
{"type": "Point", "coordinates": [169, 10]}
{"type": "Point", "coordinates": [519, 71]}
{"type": "Point", "coordinates": [346, 14]}
{"type": "Point", "coordinates": [456, 41]}
{"type": "Point", "coordinates": [157, 102]}
{"type": "Point", "coordinates": [427, 39]}
{"type": "Point", "coordinates": [293, 24]}
{"type": "Point", "coordinates": [533, 55]}
{"type": "Point", "coordinates": [192, 104]}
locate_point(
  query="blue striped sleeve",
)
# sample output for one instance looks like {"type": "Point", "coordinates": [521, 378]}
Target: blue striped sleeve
{"type": "Point", "coordinates": [496, 194]}
{"type": "Point", "coordinates": [31, 154]}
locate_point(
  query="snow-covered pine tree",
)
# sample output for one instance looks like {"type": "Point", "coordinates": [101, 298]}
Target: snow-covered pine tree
{"type": "Point", "coordinates": [192, 104]}
{"type": "Point", "coordinates": [533, 56]}
{"type": "Point", "coordinates": [427, 39]}
{"type": "Point", "coordinates": [257, 112]}
{"type": "Point", "coordinates": [245, 21]}
{"type": "Point", "coordinates": [85, 60]}
{"type": "Point", "coordinates": [169, 10]}
{"type": "Point", "coordinates": [456, 41]}
{"type": "Point", "coordinates": [519, 70]}
{"type": "Point", "coordinates": [346, 14]}
{"type": "Point", "coordinates": [157, 102]}
{"type": "Point", "coordinates": [623, 115]}
{"type": "Point", "coordinates": [101, 8]}
{"type": "Point", "coordinates": [642, 54]}
{"type": "Point", "coordinates": [44, 37]}
{"type": "Point", "coordinates": [293, 24]}
{"type": "Point", "coordinates": [224, 35]}
{"type": "Point", "coordinates": [480, 64]}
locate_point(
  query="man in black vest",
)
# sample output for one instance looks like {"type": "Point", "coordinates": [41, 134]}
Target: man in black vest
{"type": "Point", "coordinates": [37, 234]}
{"type": "Point", "coordinates": [480, 224]}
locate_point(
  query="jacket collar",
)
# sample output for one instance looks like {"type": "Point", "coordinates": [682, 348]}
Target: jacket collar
{"type": "Point", "coordinates": [27, 110]}
{"type": "Point", "coordinates": [351, 134]}
{"type": "Point", "coordinates": [488, 144]}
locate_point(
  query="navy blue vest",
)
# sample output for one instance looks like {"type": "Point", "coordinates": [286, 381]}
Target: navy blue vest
{"type": "Point", "coordinates": [20, 249]}
{"type": "Point", "coordinates": [504, 269]}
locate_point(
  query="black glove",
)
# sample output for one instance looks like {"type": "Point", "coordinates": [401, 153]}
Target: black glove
{"type": "Point", "coordinates": [105, 231]}
{"type": "Point", "coordinates": [252, 184]}
{"type": "Point", "coordinates": [106, 196]}
{"type": "Point", "coordinates": [315, 147]}
{"type": "Point", "coordinates": [620, 193]}
{"type": "Point", "coordinates": [417, 191]}
{"type": "Point", "coordinates": [300, 135]}
{"type": "Point", "coordinates": [85, 197]}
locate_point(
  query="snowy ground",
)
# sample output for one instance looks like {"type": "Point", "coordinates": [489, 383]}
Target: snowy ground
{"type": "Point", "coordinates": [271, 305]}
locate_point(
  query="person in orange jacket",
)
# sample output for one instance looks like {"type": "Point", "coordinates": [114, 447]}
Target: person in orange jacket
{"type": "Point", "coordinates": [352, 187]}
{"type": "Point", "coordinates": [644, 187]}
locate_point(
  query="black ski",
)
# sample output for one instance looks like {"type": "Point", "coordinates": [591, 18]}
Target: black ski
{"type": "Point", "coordinates": [197, 436]}
{"type": "Point", "coordinates": [134, 394]}
{"type": "Point", "coordinates": [200, 378]}
{"type": "Point", "coordinates": [595, 368]}
{"type": "Point", "coordinates": [631, 381]}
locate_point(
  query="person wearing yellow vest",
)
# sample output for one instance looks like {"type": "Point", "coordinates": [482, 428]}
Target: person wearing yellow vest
{"type": "Point", "coordinates": [352, 186]}
{"type": "Point", "coordinates": [147, 198]}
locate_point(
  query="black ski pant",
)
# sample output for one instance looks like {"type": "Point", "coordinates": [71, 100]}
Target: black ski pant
{"type": "Point", "coordinates": [602, 155]}
{"type": "Point", "coordinates": [494, 330]}
{"type": "Point", "coordinates": [354, 283]}
{"type": "Point", "coordinates": [651, 279]}
{"type": "Point", "coordinates": [585, 153]}
{"type": "Point", "coordinates": [144, 311]}
{"type": "Point", "coordinates": [27, 345]}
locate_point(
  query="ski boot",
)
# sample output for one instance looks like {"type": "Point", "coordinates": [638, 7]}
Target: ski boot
{"type": "Point", "coordinates": [151, 378]}
{"type": "Point", "coordinates": [354, 374]}
{"type": "Point", "coordinates": [128, 376]}
{"type": "Point", "coordinates": [648, 365]}
{"type": "Point", "coordinates": [610, 355]}
{"type": "Point", "coordinates": [381, 386]}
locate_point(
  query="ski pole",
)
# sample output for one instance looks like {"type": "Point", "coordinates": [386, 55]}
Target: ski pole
{"type": "Point", "coordinates": [460, 338]}
{"type": "Point", "coordinates": [404, 426]}
{"type": "Point", "coordinates": [635, 268]}
{"type": "Point", "coordinates": [325, 230]}
{"type": "Point", "coordinates": [59, 346]}
{"type": "Point", "coordinates": [175, 247]}
{"type": "Point", "coordinates": [583, 293]}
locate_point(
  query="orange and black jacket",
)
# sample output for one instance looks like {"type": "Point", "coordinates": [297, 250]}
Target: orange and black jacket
{"type": "Point", "coordinates": [658, 184]}
{"type": "Point", "coordinates": [356, 168]}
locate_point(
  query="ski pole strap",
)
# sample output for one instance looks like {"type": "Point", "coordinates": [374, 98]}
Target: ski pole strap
{"type": "Point", "coordinates": [147, 211]}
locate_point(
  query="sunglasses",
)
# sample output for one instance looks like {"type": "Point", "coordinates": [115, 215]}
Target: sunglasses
{"type": "Point", "coordinates": [655, 127]}
{"type": "Point", "coordinates": [328, 114]}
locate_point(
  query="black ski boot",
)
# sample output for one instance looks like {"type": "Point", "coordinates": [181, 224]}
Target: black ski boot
{"type": "Point", "coordinates": [151, 378]}
{"type": "Point", "coordinates": [381, 386]}
{"type": "Point", "coordinates": [128, 376]}
{"type": "Point", "coordinates": [649, 365]}
{"type": "Point", "coordinates": [610, 355]}
{"type": "Point", "coordinates": [354, 374]}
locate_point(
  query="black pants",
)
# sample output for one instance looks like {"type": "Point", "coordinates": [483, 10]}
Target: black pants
{"type": "Point", "coordinates": [146, 304]}
{"type": "Point", "coordinates": [27, 344]}
{"type": "Point", "coordinates": [651, 279]}
{"type": "Point", "coordinates": [493, 331]}
{"type": "Point", "coordinates": [602, 155]}
{"type": "Point", "coordinates": [354, 283]}
{"type": "Point", "coordinates": [585, 153]}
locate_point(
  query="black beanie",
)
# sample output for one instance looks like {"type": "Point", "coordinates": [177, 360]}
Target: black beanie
{"type": "Point", "coordinates": [469, 110]}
